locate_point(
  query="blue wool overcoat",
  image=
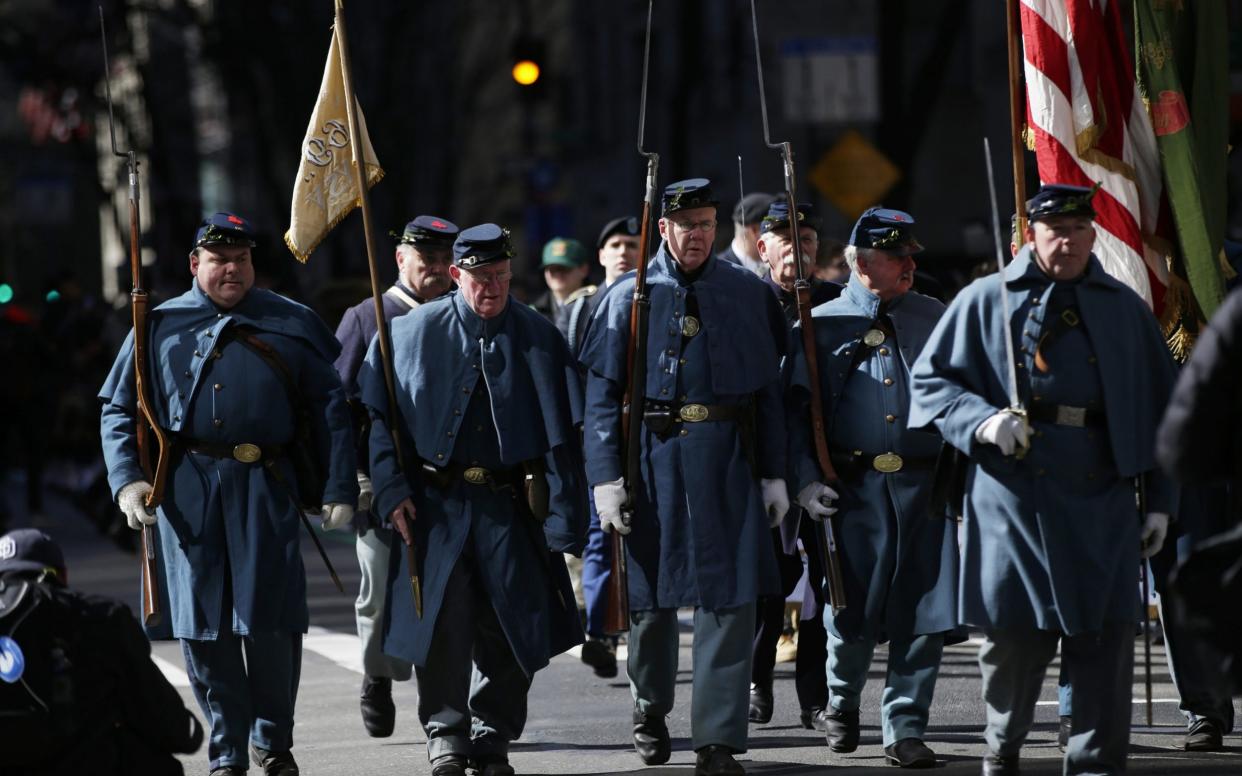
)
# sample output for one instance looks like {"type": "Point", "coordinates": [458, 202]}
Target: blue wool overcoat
{"type": "Point", "coordinates": [1050, 541]}
{"type": "Point", "coordinates": [493, 393]}
{"type": "Point", "coordinates": [226, 525]}
{"type": "Point", "coordinates": [700, 536]}
{"type": "Point", "coordinates": [900, 564]}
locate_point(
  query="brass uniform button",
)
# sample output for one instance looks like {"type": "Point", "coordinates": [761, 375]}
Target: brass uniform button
{"type": "Point", "coordinates": [690, 326]}
{"type": "Point", "coordinates": [217, 422]}
{"type": "Point", "coordinates": [218, 387]}
{"type": "Point", "coordinates": [888, 381]}
{"type": "Point", "coordinates": [883, 351]}
{"type": "Point", "coordinates": [890, 418]}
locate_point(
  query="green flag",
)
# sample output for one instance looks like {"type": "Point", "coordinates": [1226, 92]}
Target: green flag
{"type": "Point", "coordinates": [1183, 69]}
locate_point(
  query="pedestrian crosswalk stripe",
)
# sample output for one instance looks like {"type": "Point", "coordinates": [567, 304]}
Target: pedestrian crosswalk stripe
{"type": "Point", "coordinates": [344, 649]}
{"type": "Point", "coordinates": [175, 675]}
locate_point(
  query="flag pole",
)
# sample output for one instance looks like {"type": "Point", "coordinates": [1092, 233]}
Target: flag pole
{"type": "Point", "coordinates": [1016, 112]}
{"type": "Point", "coordinates": [385, 341]}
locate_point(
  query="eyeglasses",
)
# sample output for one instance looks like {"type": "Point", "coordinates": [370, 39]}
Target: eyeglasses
{"type": "Point", "coordinates": [488, 278]}
{"type": "Point", "coordinates": [685, 227]}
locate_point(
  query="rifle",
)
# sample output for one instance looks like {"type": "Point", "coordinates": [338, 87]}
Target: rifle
{"type": "Point", "coordinates": [146, 423]}
{"type": "Point", "coordinates": [1015, 404]}
{"type": "Point", "coordinates": [830, 552]}
{"type": "Point", "coordinates": [617, 594]}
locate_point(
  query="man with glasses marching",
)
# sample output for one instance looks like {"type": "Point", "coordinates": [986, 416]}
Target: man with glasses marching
{"type": "Point", "coordinates": [713, 459]}
{"type": "Point", "coordinates": [423, 254]}
{"type": "Point", "coordinates": [488, 492]}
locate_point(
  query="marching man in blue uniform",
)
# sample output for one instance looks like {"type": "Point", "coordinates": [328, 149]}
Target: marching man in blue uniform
{"type": "Point", "coordinates": [423, 254]}
{"type": "Point", "coordinates": [810, 681]}
{"type": "Point", "coordinates": [230, 559]}
{"type": "Point", "coordinates": [1052, 536]}
{"type": "Point", "coordinates": [899, 561]}
{"type": "Point", "coordinates": [489, 492]}
{"type": "Point", "coordinates": [713, 459]}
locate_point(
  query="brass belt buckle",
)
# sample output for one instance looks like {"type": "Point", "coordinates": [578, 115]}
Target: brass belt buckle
{"type": "Point", "coordinates": [693, 413]}
{"type": "Point", "coordinates": [1071, 416]}
{"type": "Point", "coordinates": [476, 475]}
{"type": "Point", "coordinates": [887, 463]}
{"type": "Point", "coordinates": [247, 453]}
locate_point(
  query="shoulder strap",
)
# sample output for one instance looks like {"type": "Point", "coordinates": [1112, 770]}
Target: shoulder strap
{"type": "Point", "coordinates": [247, 336]}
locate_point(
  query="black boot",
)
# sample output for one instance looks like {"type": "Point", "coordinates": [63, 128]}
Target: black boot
{"type": "Point", "coordinates": [601, 655]}
{"type": "Point", "coordinates": [813, 718]}
{"type": "Point", "coordinates": [996, 765]}
{"type": "Point", "coordinates": [841, 730]}
{"type": "Point", "coordinates": [274, 763]}
{"type": "Point", "coordinates": [1204, 736]}
{"type": "Point", "coordinates": [716, 761]}
{"type": "Point", "coordinates": [379, 713]}
{"type": "Point", "coordinates": [910, 753]}
{"type": "Point", "coordinates": [448, 765]}
{"type": "Point", "coordinates": [760, 703]}
{"type": "Point", "coordinates": [651, 739]}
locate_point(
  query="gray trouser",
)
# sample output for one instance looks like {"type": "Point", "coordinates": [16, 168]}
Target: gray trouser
{"type": "Point", "coordinates": [721, 668]}
{"type": "Point", "coordinates": [373, 551]}
{"type": "Point", "coordinates": [472, 692]}
{"type": "Point", "coordinates": [913, 665]}
{"type": "Point", "coordinates": [1100, 667]}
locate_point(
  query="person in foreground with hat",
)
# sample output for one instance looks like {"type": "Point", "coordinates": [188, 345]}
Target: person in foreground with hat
{"type": "Point", "coordinates": [242, 380]}
{"type": "Point", "coordinates": [1051, 534]}
{"type": "Point", "coordinates": [743, 249]}
{"type": "Point", "coordinates": [899, 562]}
{"type": "Point", "coordinates": [79, 692]}
{"type": "Point", "coordinates": [776, 248]}
{"type": "Point", "coordinates": [423, 255]}
{"type": "Point", "coordinates": [713, 458]}
{"type": "Point", "coordinates": [489, 495]}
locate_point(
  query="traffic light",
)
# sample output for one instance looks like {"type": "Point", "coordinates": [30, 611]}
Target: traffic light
{"type": "Point", "coordinates": [528, 62]}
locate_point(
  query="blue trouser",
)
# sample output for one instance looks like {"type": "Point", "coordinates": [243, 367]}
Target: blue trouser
{"type": "Point", "coordinates": [1065, 693]}
{"type": "Point", "coordinates": [596, 569]}
{"type": "Point", "coordinates": [1100, 667]}
{"type": "Point", "coordinates": [245, 699]}
{"type": "Point", "coordinates": [720, 695]}
{"type": "Point", "coordinates": [913, 665]}
{"type": "Point", "coordinates": [472, 691]}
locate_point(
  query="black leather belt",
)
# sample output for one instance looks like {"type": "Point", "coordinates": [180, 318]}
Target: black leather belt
{"type": "Point", "coordinates": [853, 464]}
{"type": "Point", "coordinates": [1067, 415]}
{"type": "Point", "coordinates": [496, 479]}
{"type": "Point", "coordinates": [246, 452]}
{"type": "Point", "coordinates": [659, 416]}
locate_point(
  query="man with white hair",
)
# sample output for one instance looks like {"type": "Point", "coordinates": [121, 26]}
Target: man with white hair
{"type": "Point", "coordinates": [899, 562]}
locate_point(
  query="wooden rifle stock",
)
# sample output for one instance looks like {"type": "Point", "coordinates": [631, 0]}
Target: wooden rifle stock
{"type": "Point", "coordinates": [146, 423]}
{"type": "Point", "coordinates": [617, 592]}
{"type": "Point", "coordinates": [830, 553]}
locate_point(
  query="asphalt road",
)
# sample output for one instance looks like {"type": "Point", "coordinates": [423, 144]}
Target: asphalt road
{"type": "Point", "coordinates": [579, 724]}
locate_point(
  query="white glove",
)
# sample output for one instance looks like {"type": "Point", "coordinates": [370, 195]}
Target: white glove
{"type": "Point", "coordinates": [365, 492]}
{"type": "Point", "coordinates": [609, 497]}
{"type": "Point", "coordinates": [775, 500]}
{"type": "Point", "coordinates": [817, 499]}
{"type": "Point", "coordinates": [336, 516]}
{"type": "Point", "coordinates": [1005, 430]}
{"type": "Point", "coordinates": [1155, 528]}
{"type": "Point", "coordinates": [132, 499]}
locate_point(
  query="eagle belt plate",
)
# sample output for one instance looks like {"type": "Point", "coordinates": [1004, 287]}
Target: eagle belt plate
{"type": "Point", "coordinates": [247, 453]}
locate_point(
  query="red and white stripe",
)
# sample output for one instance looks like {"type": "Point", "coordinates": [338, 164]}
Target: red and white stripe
{"type": "Point", "coordinates": [1089, 125]}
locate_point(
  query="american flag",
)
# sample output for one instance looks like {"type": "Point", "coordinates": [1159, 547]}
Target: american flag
{"type": "Point", "coordinates": [1088, 124]}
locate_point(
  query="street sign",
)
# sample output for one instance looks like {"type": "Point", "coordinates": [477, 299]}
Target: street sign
{"type": "Point", "coordinates": [853, 175]}
{"type": "Point", "coordinates": [830, 80]}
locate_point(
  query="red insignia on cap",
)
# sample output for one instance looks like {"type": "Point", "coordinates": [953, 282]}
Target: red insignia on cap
{"type": "Point", "coordinates": [897, 217]}
{"type": "Point", "coordinates": [438, 224]}
{"type": "Point", "coordinates": [235, 220]}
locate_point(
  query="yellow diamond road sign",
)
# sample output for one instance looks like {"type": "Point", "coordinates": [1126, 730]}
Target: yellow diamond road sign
{"type": "Point", "coordinates": [853, 174]}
